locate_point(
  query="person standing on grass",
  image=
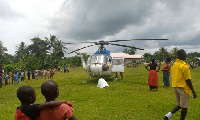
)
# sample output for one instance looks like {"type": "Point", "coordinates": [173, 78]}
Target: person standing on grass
{"type": "Point", "coordinates": [181, 82]}
{"type": "Point", "coordinates": [16, 77]}
{"type": "Point", "coordinates": [166, 72]}
{"type": "Point", "coordinates": [51, 73]}
{"type": "Point", "coordinates": [29, 74]}
{"type": "Point", "coordinates": [153, 76]}
{"type": "Point", "coordinates": [65, 68]}
{"type": "Point", "coordinates": [36, 74]}
{"type": "Point", "coordinates": [6, 79]}
{"type": "Point", "coordinates": [48, 74]}
{"type": "Point", "coordinates": [1, 79]}
{"type": "Point", "coordinates": [13, 76]}
{"type": "Point", "coordinates": [22, 75]}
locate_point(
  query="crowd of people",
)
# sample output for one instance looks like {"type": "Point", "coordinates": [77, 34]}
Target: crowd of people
{"type": "Point", "coordinates": [18, 75]}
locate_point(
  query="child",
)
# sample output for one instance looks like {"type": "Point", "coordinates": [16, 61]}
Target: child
{"type": "Point", "coordinates": [27, 96]}
{"type": "Point", "coordinates": [29, 74]}
{"type": "Point", "coordinates": [1, 78]}
{"type": "Point", "coordinates": [36, 74]}
{"type": "Point", "coordinates": [47, 74]}
{"type": "Point", "coordinates": [49, 89]}
{"type": "Point", "coordinates": [13, 76]}
{"type": "Point", "coordinates": [51, 73]}
{"type": "Point", "coordinates": [22, 75]}
{"type": "Point", "coordinates": [6, 78]}
{"type": "Point", "coordinates": [16, 77]}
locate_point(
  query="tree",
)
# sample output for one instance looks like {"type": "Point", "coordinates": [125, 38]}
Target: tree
{"type": "Point", "coordinates": [21, 52]}
{"type": "Point", "coordinates": [161, 54]}
{"type": "Point", "coordinates": [85, 56]}
{"type": "Point", "coordinates": [56, 48]}
{"type": "Point", "coordinates": [2, 52]}
{"type": "Point", "coordinates": [147, 57]}
{"type": "Point", "coordinates": [173, 53]}
{"type": "Point", "coordinates": [130, 51]}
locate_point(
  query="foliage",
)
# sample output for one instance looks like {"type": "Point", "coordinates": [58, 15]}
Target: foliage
{"type": "Point", "coordinates": [173, 53]}
{"type": "Point", "coordinates": [130, 51]}
{"type": "Point", "coordinates": [85, 56]}
{"type": "Point", "coordinates": [147, 57]}
{"type": "Point", "coordinates": [193, 55]}
{"type": "Point", "coordinates": [128, 99]}
{"type": "Point", "coordinates": [2, 52]}
{"type": "Point", "coordinates": [161, 54]}
{"type": "Point", "coordinates": [40, 54]}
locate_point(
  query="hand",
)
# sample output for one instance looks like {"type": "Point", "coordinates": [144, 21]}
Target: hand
{"type": "Point", "coordinates": [194, 95]}
{"type": "Point", "coordinates": [68, 103]}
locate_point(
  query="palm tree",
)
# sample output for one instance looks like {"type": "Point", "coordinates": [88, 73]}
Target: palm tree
{"type": "Point", "coordinates": [174, 53]}
{"type": "Point", "coordinates": [21, 50]}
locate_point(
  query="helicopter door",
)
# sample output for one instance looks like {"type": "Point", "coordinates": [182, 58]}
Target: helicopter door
{"type": "Point", "coordinates": [118, 64]}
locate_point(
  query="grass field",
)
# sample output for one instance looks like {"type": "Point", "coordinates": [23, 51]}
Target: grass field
{"type": "Point", "coordinates": [128, 99]}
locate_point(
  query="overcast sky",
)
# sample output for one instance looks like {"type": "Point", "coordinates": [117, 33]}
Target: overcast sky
{"type": "Point", "coordinates": [94, 20]}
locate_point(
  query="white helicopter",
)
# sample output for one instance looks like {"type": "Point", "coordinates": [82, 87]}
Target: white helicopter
{"type": "Point", "coordinates": [101, 64]}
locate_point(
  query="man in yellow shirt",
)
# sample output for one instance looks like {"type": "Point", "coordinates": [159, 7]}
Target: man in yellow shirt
{"type": "Point", "coordinates": [181, 82]}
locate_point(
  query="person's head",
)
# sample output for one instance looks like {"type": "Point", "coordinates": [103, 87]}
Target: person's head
{"type": "Point", "coordinates": [26, 94]}
{"type": "Point", "coordinates": [168, 60]}
{"type": "Point", "coordinates": [49, 90]}
{"type": "Point", "coordinates": [181, 54]}
{"type": "Point", "coordinates": [153, 60]}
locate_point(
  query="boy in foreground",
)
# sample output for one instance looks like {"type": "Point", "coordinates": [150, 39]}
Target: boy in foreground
{"type": "Point", "coordinates": [27, 96]}
{"type": "Point", "coordinates": [49, 89]}
{"type": "Point", "coordinates": [181, 82]}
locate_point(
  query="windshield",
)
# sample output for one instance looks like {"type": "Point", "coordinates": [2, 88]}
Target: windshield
{"type": "Point", "coordinates": [98, 59]}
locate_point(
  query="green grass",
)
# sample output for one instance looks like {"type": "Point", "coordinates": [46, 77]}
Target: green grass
{"type": "Point", "coordinates": [128, 99]}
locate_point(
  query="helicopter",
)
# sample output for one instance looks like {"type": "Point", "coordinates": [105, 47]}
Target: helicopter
{"type": "Point", "coordinates": [101, 64]}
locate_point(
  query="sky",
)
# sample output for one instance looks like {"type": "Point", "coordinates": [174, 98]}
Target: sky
{"type": "Point", "coordinates": [95, 20]}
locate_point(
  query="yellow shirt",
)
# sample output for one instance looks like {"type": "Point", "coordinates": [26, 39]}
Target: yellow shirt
{"type": "Point", "coordinates": [180, 73]}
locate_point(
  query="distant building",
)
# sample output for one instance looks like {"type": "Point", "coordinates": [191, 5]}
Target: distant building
{"type": "Point", "coordinates": [129, 58]}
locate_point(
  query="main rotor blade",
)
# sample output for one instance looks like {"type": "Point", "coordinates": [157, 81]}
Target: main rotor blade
{"type": "Point", "coordinates": [80, 42]}
{"type": "Point", "coordinates": [126, 46]}
{"type": "Point", "coordinates": [135, 39]}
{"type": "Point", "coordinates": [80, 49]}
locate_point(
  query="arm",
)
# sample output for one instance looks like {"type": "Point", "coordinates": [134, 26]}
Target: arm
{"type": "Point", "coordinates": [53, 104]}
{"type": "Point", "coordinates": [158, 68]}
{"type": "Point", "coordinates": [189, 83]}
{"type": "Point", "coordinates": [147, 67]}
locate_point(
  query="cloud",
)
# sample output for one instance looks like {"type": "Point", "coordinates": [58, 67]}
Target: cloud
{"type": "Point", "coordinates": [92, 20]}
{"type": "Point", "coordinates": [6, 12]}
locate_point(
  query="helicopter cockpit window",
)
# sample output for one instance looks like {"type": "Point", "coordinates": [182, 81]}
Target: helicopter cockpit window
{"type": "Point", "coordinates": [101, 59]}
{"type": "Point", "coordinates": [98, 59]}
{"type": "Point", "coordinates": [93, 59]}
